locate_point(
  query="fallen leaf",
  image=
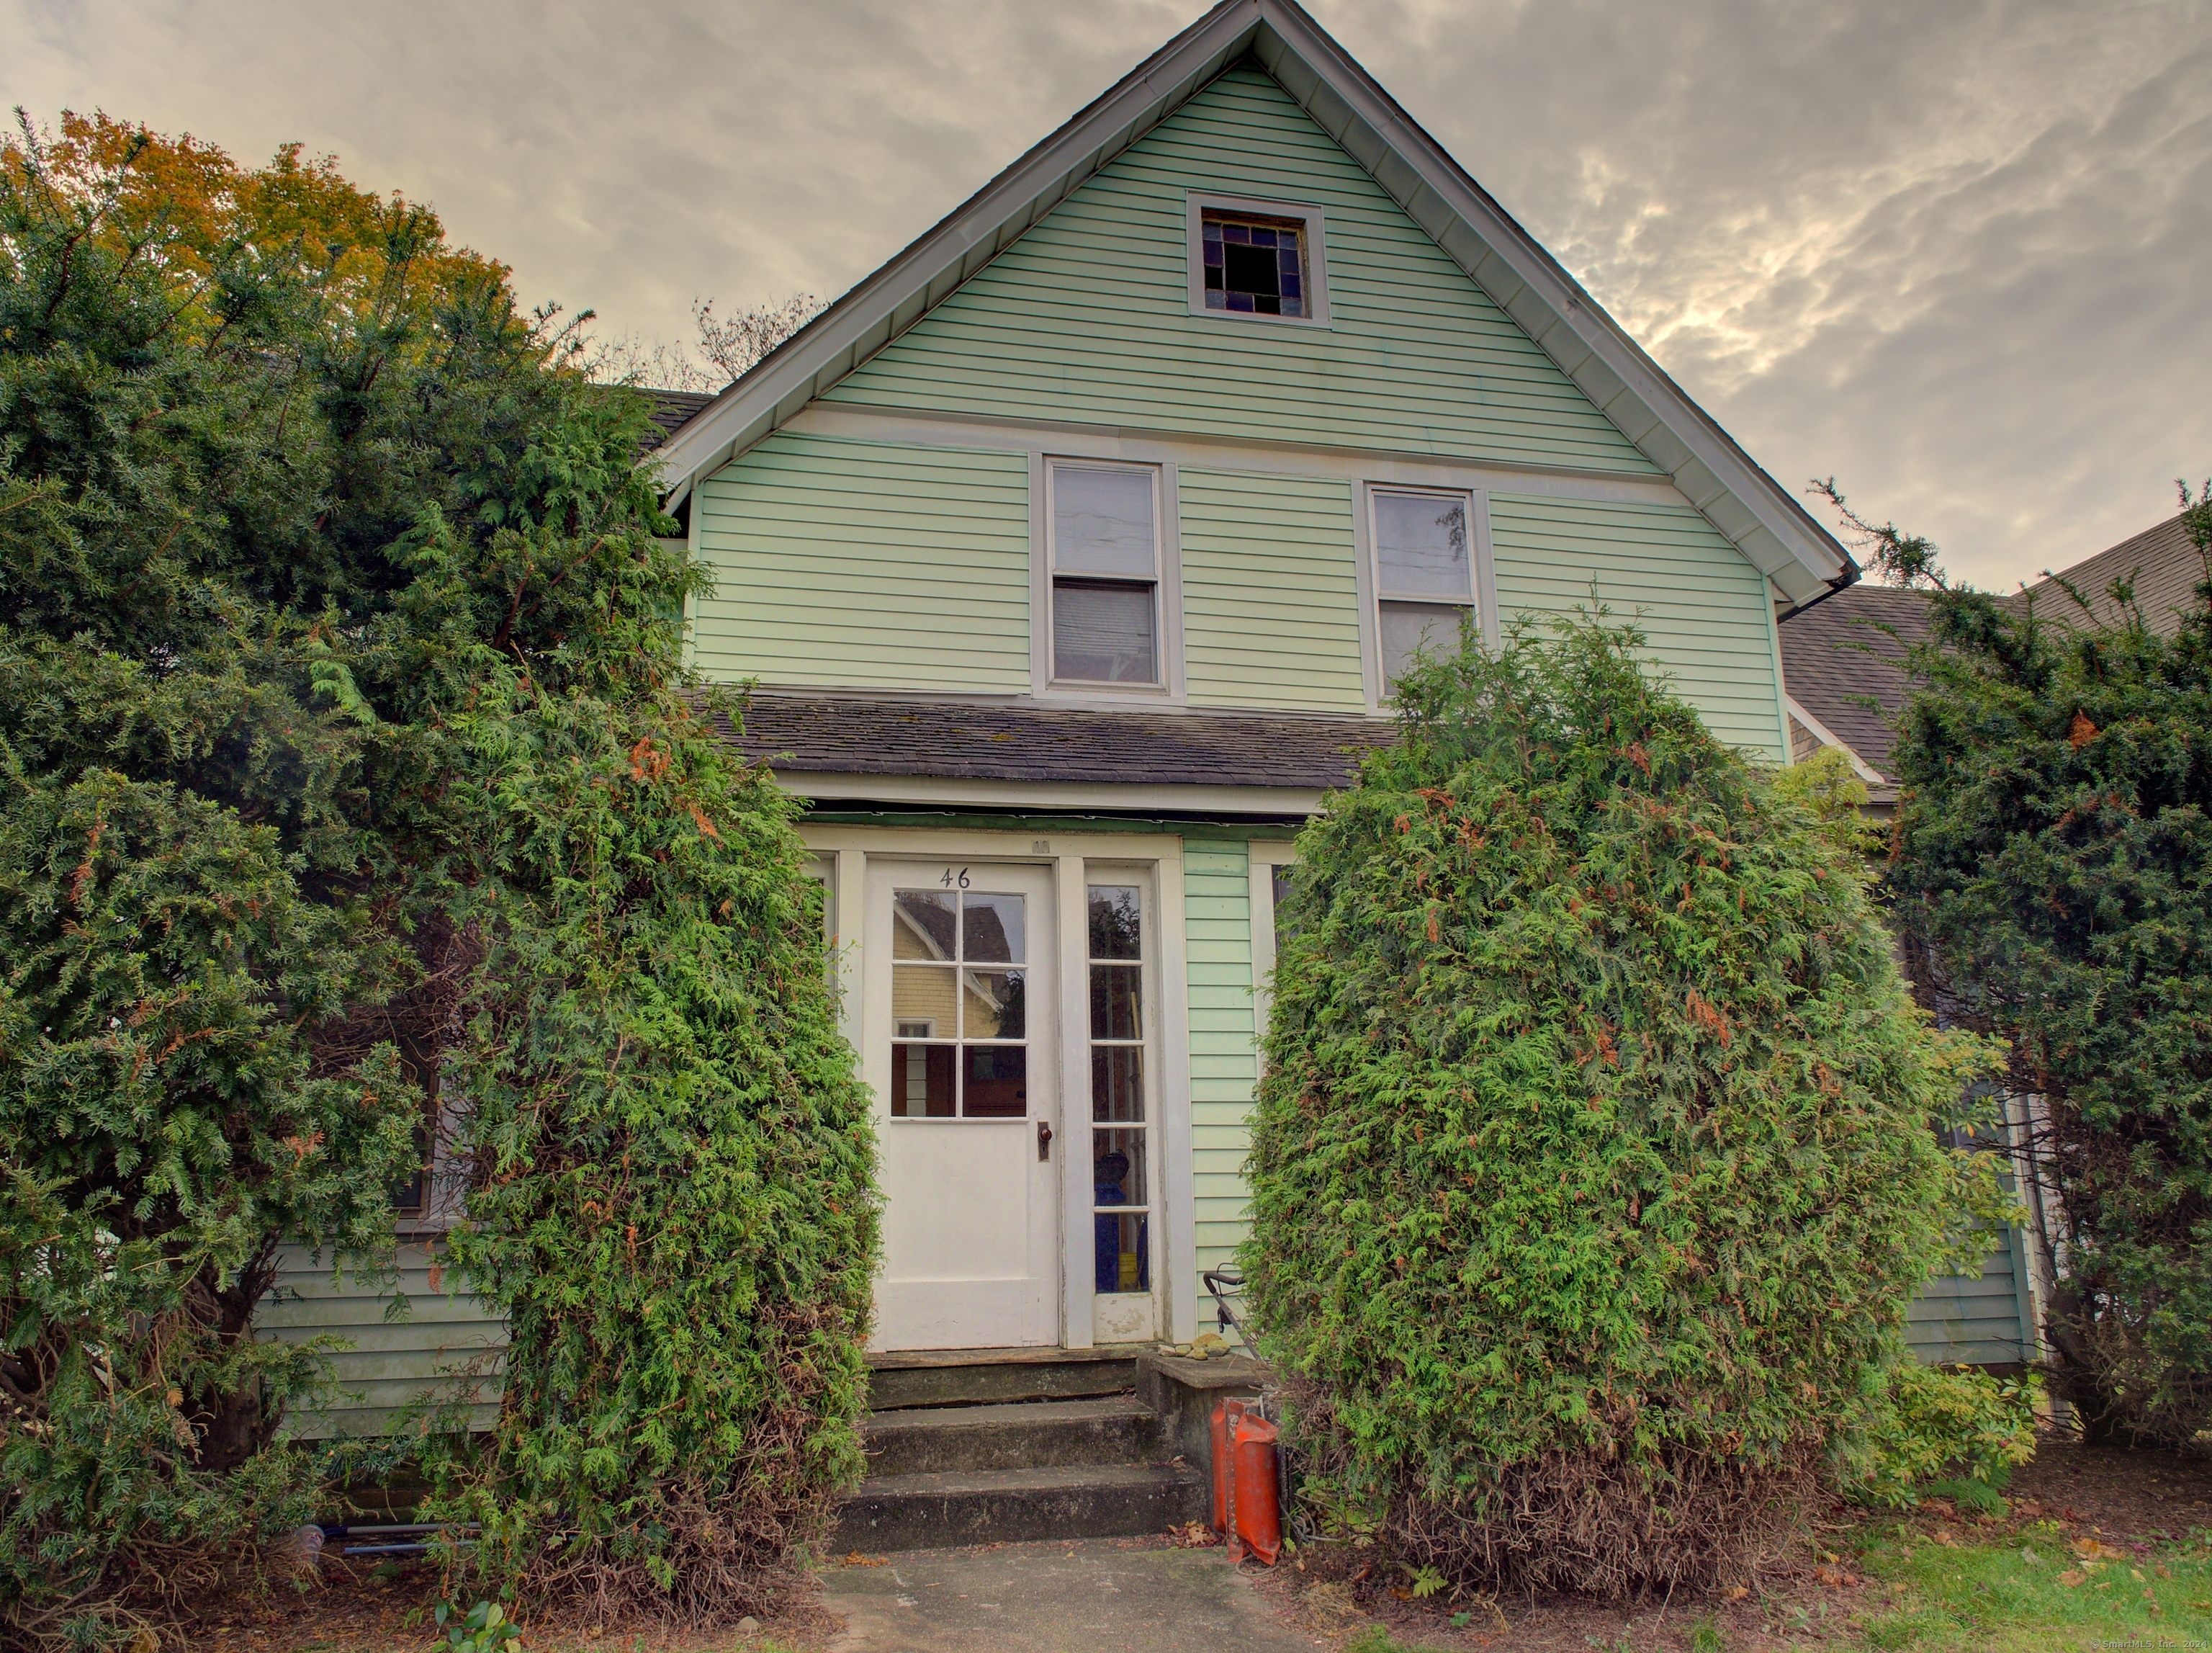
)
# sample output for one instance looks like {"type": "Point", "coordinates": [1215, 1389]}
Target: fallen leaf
{"type": "Point", "coordinates": [2097, 1550]}
{"type": "Point", "coordinates": [2072, 1577]}
{"type": "Point", "coordinates": [1942, 1535]}
{"type": "Point", "coordinates": [1735, 1592]}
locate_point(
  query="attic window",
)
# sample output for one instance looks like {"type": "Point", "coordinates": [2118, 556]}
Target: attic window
{"type": "Point", "coordinates": [1258, 259]}
{"type": "Point", "coordinates": [1255, 266]}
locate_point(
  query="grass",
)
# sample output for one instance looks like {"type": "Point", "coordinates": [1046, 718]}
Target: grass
{"type": "Point", "coordinates": [2037, 1590]}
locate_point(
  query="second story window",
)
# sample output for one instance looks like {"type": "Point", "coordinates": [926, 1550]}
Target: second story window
{"type": "Point", "coordinates": [1423, 574]}
{"type": "Point", "coordinates": [1104, 549]}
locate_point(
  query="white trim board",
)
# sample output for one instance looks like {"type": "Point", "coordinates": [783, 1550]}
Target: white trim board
{"type": "Point", "coordinates": [848, 422]}
{"type": "Point", "coordinates": [1749, 508]}
{"type": "Point", "coordinates": [1827, 737]}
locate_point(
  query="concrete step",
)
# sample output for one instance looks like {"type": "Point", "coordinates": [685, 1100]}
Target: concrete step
{"type": "Point", "coordinates": [968, 1377]}
{"type": "Point", "coordinates": [1017, 1435]}
{"type": "Point", "coordinates": [999, 1506]}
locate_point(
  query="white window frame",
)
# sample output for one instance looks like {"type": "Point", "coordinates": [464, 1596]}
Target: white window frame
{"type": "Point", "coordinates": [1481, 571]}
{"type": "Point", "coordinates": [1166, 636]}
{"type": "Point", "coordinates": [1197, 204]}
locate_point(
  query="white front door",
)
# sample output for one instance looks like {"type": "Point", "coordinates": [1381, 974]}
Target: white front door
{"type": "Point", "coordinates": [958, 1008]}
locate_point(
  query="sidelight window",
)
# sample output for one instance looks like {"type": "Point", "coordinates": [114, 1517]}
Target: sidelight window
{"type": "Point", "coordinates": [1122, 1165]}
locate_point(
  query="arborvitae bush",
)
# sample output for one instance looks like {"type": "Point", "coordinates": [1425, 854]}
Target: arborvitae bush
{"type": "Point", "coordinates": [1594, 1161]}
{"type": "Point", "coordinates": [348, 771]}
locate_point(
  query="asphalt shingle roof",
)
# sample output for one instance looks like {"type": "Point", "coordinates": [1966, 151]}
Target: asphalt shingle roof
{"type": "Point", "coordinates": [2164, 564]}
{"type": "Point", "coordinates": [998, 740]}
{"type": "Point", "coordinates": [1837, 655]}
{"type": "Point", "coordinates": [671, 409]}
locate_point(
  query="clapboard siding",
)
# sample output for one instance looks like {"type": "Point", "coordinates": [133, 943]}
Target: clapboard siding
{"type": "Point", "coordinates": [446, 1342]}
{"type": "Point", "coordinates": [1983, 1322]}
{"type": "Point", "coordinates": [858, 565]}
{"type": "Point", "coordinates": [1705, 609]}
{"type": "Point", "coordinates": [1270, 591]}
{"type": "Point", "coordinates": [1086, 317]}
{"type": "Point", "coordinates": [1224, 1064]}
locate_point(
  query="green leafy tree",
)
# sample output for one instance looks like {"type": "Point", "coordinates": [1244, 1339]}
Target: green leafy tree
{"type": "Point", "coordinates": [1594, 1160]}
{"type": "Point", "coordinates": [2050, 868]}
{"type": "Point", "coordinates": [351, 783]}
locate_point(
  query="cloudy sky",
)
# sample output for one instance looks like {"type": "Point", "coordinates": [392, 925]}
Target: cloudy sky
{"type": "Point", "coordinates": [1958, 254]}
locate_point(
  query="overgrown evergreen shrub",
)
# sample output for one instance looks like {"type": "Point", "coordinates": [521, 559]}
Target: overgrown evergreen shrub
{"type": "Point", "coordinates": [1594, 1161]}
{"type": "Point", "coordinates": [2052, 871]}
{"type": "Point", "coordinates": [347, 768]}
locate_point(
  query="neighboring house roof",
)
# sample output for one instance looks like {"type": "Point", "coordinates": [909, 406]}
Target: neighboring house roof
{"type": "Point", "coordinates": [2163, 563]}
{"type": "Point", "coordinates": [1765, 520]}
{"type": "Point", "coordinates": [1842, 664]}
{"type": "Point", "coordinates": [671, 409]}
{"type": "Point", "coordinates": [1846, 651]}
{"type": "Point", "coordinates": [1000, 742]}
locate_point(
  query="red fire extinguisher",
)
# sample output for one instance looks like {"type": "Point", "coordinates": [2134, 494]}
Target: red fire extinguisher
{"type": "Point", "coordinates": [1247, 1507]}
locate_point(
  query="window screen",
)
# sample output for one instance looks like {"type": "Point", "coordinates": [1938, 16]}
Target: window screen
{"type": "Point", "coordinates": [1105, 568]}
{"type": "Point", "coordinates": [1425, 574]}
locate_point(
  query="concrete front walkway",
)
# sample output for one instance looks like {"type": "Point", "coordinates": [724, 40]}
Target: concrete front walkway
{"type": "Point", "coordinates": [1069, 1597]}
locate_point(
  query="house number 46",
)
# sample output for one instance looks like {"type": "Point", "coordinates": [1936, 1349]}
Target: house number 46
{"type": "Point", "coordinates": [952, 879]}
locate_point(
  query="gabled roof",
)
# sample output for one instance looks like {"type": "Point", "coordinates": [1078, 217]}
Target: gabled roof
{"type": "Point", "coordinates": [671, 411]}
{"type": "Point", "coordinates": [1763, 519]}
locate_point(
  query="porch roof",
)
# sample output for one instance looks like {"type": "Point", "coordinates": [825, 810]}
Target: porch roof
{"type": "Point", "coordinates": [1004, 741]}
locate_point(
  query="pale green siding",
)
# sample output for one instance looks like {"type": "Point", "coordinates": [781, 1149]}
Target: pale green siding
{"type": "Point", "coordinates": [1705, 608]}
{"type": "Point", "coordinates": [866, 565]}
{"type": "Point", "coordinates": [447, 1343]}
{"type": "Point", "coordinates": [1224, 1060]}
{"type": "Point", "coordinates": [1984, 1322]}
{"type": "Point", "coordinates": [1087, 316]}
{"type": "Point", "coordinates": [1270, 591]}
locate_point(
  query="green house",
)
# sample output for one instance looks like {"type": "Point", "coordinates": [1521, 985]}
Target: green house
{"type": "Point", "coordinates": [1072, 553]}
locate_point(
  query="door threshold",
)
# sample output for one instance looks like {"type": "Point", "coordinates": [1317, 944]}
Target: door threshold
{"type": "Point", "coordinates": [894, 1360]}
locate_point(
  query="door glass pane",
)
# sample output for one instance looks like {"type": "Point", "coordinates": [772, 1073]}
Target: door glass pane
{"type": "Point", "coordinates": [1117, 1081]}
{"type": "Point", "coordinates": [1101, 522]}
{"type": "Point", "coordinates": [994, 1082]}
{"type": "Point", "coordinates": [1420, 543]}
{"type": "Point", "coordinates": [922, 1001]}
{"type": "Point", "coordinates": [1125, 1261]}
{"type": "Point", "coordinates": [922, 924]}
{"type": "Point", "coordinates": [1103, 633]}
{"type": "Point", "coordinates": [1116, 914]}
{"type": "Point", "coordinates": [1115, 991]}
{"type": "Point", "coordinates": [1117, 1169]}
{"type": "Point", "coordinates": [991, 929]}
{"type": "Point", "coordinates": [993, 1003]}
{"type": "Point", "coordinates": [1407, 626]}
{"type": "Point", "coordinates": [921, 1081]}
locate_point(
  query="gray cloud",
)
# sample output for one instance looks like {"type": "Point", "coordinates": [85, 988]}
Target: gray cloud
{"type": "Point", "coordinates": [1955, 255]}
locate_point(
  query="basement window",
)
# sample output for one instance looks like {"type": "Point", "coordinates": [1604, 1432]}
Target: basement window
{"type": "Point", "coordinates": [1258, 259]}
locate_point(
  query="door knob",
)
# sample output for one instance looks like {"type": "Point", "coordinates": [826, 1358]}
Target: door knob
{"type": "Point", "coordinates": [1045, 1140]}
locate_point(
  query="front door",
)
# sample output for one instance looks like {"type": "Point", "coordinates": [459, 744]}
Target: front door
{"type": "Point", "coordinates": [958, 1007]}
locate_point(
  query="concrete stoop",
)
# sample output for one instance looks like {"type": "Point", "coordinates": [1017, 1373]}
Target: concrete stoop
{"type": "Point", "coordinates": [1005, 1446]}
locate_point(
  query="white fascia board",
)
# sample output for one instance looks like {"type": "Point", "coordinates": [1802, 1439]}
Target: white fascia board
{"type": "Point", "coordinates": [933, 792]}
{"type": "Point", "coordinates": [1827, 736]}
{"type": "Point", "coordinates": [1763, 520]}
